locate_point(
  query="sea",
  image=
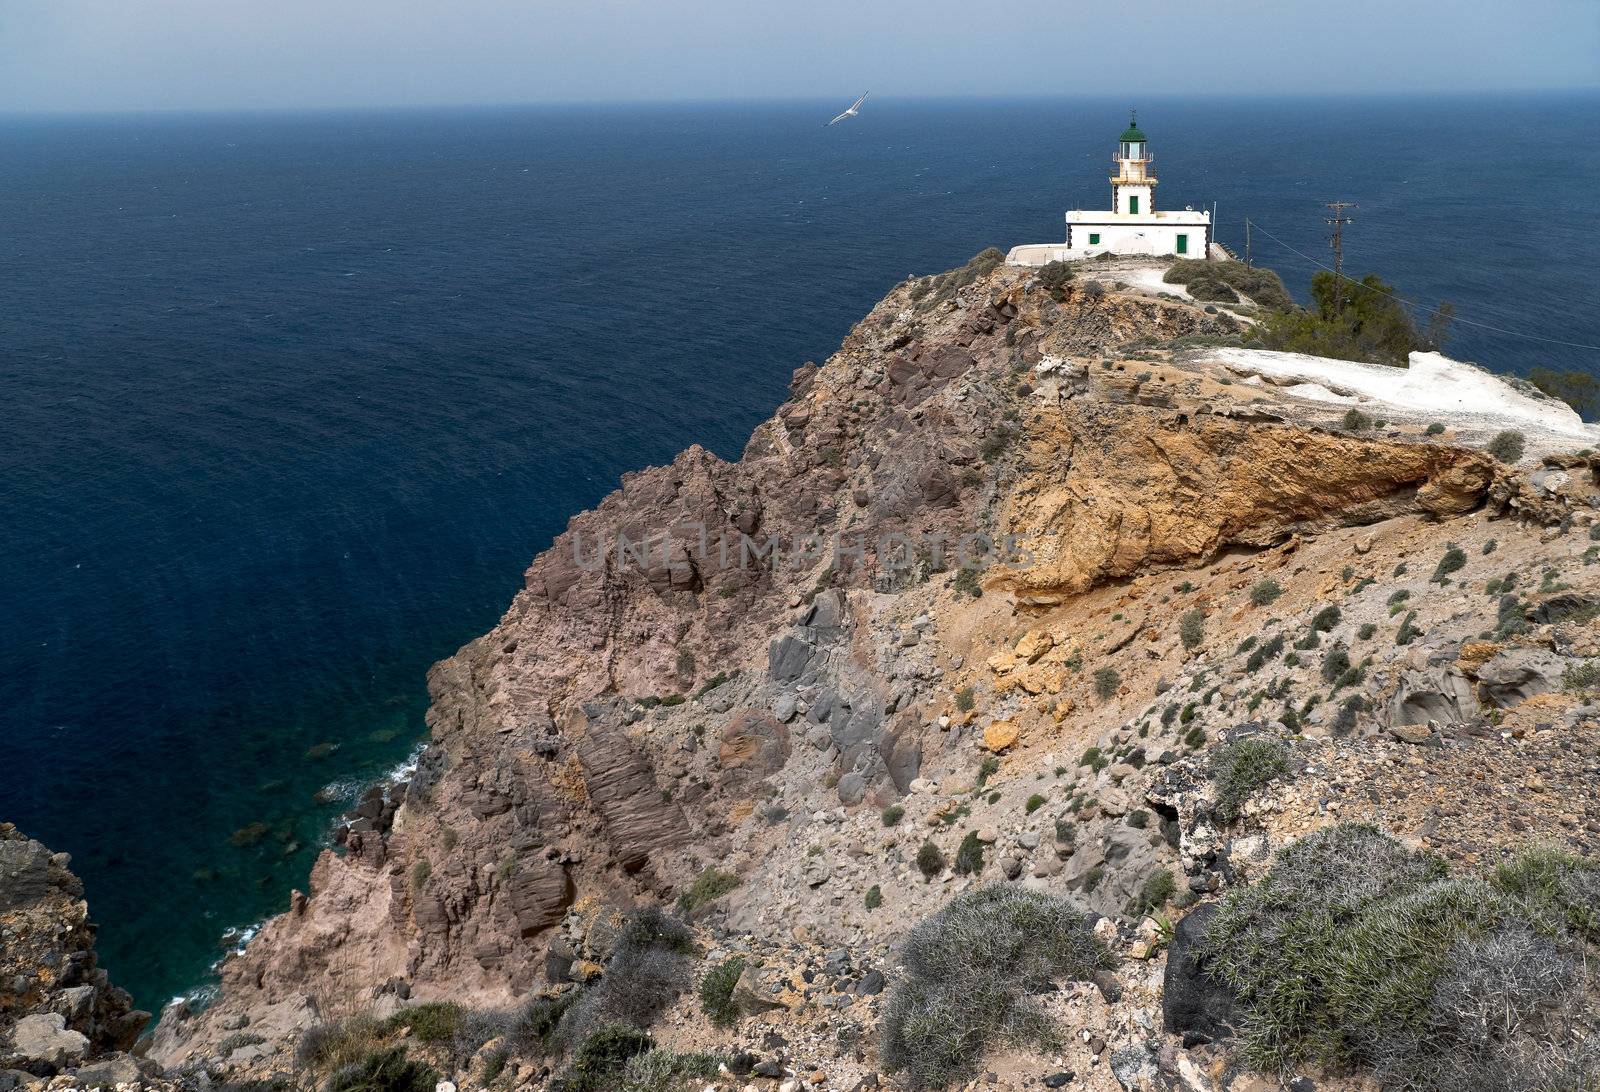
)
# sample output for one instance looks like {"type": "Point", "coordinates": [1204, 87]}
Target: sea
{"type": "Point", "coordinates": [288, 402]}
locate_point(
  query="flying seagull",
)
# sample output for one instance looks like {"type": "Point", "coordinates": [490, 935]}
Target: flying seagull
{"type": "Point", "coordinates": [855, 108]}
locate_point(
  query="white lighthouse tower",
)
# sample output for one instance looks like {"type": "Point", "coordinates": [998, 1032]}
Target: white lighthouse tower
{"type": "Point", "coordinates": [1133, 225]}
{"type": "Point", "coordinates": [1133, 187]}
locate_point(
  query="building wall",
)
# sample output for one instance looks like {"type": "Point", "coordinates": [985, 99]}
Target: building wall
{"type": "Point", "coordinates": [1136, 239]}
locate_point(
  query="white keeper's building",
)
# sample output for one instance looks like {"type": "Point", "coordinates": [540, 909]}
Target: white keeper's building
{"type": "Point", "coordinates": [1133, 225]}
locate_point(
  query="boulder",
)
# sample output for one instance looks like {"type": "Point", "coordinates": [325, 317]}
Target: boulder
{"type": "Point", "coordinates": [1193, 1003]}
{"type": "Point", "coordinates": [1517, 674]}
{"type": "Point", "coordinates": [44, 1037]}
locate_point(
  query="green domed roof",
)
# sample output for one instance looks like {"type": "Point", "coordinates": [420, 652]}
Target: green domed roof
{"type": "Point", "coordinates": [1133, 132]}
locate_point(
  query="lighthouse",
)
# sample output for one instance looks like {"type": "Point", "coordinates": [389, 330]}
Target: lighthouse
{"type": "Point", "coordinates": [1133, 225]}
{"type": "Point", "coordinates": [1133, 187]}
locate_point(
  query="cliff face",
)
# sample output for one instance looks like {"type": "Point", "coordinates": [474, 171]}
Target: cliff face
{"type": "Point", "coordinates": [59, 1013]}
{"type": "Point", "coordinates": [639, 714]}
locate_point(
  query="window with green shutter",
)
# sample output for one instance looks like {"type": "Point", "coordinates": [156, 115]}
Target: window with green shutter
{"type": "Point", "coordinates": [1094, 238]}
{"type": "Point", "coordinates": [1133, 204]}
{"type": "Point", "coordinates": [1183, 244]}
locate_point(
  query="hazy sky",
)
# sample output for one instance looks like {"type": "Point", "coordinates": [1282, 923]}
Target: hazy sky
{"type": "Point", "coordinates": [223, 54]}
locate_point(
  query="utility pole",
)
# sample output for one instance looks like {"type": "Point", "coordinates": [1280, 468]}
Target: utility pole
{"type": "Point", "coordinates": [1338, 220]}
{"type": "Point", "coordinates": [1247, 242]}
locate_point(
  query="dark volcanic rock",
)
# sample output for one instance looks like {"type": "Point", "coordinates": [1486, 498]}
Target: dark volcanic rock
{"type": "Point", "coordinates": [1193, 1003]}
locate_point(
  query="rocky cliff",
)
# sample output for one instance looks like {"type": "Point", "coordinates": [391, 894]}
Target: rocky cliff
{"type": "Point", "coordinates": [991, 570]}
{"type": "Point", "coordinates": [59, 1012]}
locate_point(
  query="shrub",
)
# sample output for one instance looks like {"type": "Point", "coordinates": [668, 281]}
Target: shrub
{"type": "Point", "coordinates": [388, 1070]}
{"type": "Point", "coordinates": [1267, 651]}
{"type": "Point", "coordinates": [964, 699]}
{"type": "Point", "coordinates": [716, 992]}
{"type": "Point", "coordinates": [658, 1070]}
{"type": "Point", "coordinates": [1356, 421]}
{"type": "Point", "coordinates": [710, 884]}
{"type": "Point", "coordinates": [1578, 389]}
{"type": "Point", "coordinates": [1035, 802]}
{"type": "Point", "coordinates": [1584, 676]}
{"type": "Point", "coordinates": [1195, 737]}
{"type": "Point", "coordinates": [1353, 951]}
{"type": "Point", "coordinates": [533, 1033]}
{"type": "Point", "coordinates": [1435, 429]}
{"type": "Point", "coordinates": [874, 897]}
{"type": "Point", "coordinates": [432, 1022]}
{"type": "Point", "coordinates": [893, 814]}
{"type": "Point", "coordinates": [1157, 889]}
{"type": "Point", "coordinates": [987, 769]}
{"type": "Point", "coordinates": [1138, 818]}
{"type": "Point", "coordinates": [930, 862]}
{"type": "Point", "coordinates": [599, 1061]}
{"type": "Point", "coordinates": [1264, 592]}
{"type": "Point", "coordinates": [420, 873]}
{"type": "Point", "coordinates": [1053, 276]}
{"type": "Point", "coordinates": [1106, 681]}
{"type": "Point", "coordinates": [1454, 560]}
{"type": "Point", "coordinates": [1335, 664]}
{"type": "Point", "coordinates": [1242, 767]}
{"type": "Point", "coordinates": [966, 582]}
{"type": "Point", "coordinates": [1261, 285]}
{"type": "Point", "coordinates": [1192, 628]}
{"type": "Point", "coordinates": [1507, 446]}
{"type": "Point", "coordinates": [1326, 618]}
{"type": "Point", "coordinates": [1554, 890]}
{"type": "Point", "coordinates": [1366, 631]}
{"type": "Point", "coordinates": [969, 857]}
{"type": "Point", "coordinates": [647, 972]}
{"type": "Point", "coordinates": [971, 971]}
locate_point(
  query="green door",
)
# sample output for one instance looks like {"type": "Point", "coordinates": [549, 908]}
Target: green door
{"type": "Point", "coordinates": [1183, 244]}
{"type": "Point", "coordinates": [1133, 204]}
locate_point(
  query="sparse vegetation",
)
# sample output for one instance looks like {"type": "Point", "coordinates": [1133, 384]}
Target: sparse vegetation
{"type": "Point", "coordinates": [716, 992]}
{"type": "Point", "coordinates": [1156, 891]}
{"type": "Point", "coordinates": [1266, 652]}
{"type": "Point", "coordinates": [1355, 952]}
{"type": "Point", "coordinates": [1356, 421]}
{"type": "Point", "coordinates": [710, 884]}
{"type": "Point", "coordinates": [1264, 592]}
{"type": "Point", "coordinates": [969, 855]}
{"type": "Point", "coordinates": [874, 897]}
{"type": "Point", "coordinates": [1453, 561]}
{"type": "Point", "coordinates": [971, 971]}
{"type": "Point", "coordinates": [1054, 277]}
{"type": "Point", "coordinates": [1355, 320]}
{"type": "Point", "coordinates": [965, 700]}
{"type": "Point", "coordinates": [1192, 628]}
{"type": "Point", "coordinates": [930, 861]}
{"type": "Point", "coordinates": [1224, 281]}
{"type": "Point", "coordinates": [1240, 768]}
{"type": "Point", "coordinates": [892, 815]}
{"type": "Point", "coordinates": [1507, 446]}
{"type": "Point", "coordinates": [1578, 389]}
{"type": "Point", "coordinates": [1106, 682]}
{"type": "Point", "coordinates": [1326, 618]}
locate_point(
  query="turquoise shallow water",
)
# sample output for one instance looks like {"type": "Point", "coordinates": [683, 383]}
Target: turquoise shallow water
{"type": "Point", "coordinates": [291, 401]}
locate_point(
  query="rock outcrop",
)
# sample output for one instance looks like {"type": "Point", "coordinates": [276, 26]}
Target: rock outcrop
{"type": "Point", "coordinates": [59, 1012]}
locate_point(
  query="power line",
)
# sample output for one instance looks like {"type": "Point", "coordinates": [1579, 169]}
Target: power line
{"type": "Point", "coordinates": [1422, 306]}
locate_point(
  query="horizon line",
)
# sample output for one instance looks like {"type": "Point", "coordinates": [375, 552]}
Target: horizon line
{"type": "Point", "coordinates": [773, 100]}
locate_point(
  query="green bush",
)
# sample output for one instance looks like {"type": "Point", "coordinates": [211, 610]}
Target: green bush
{"type": "Point", "coordinates": [1356, 421]}
{"type": "Point", "coordinates": [716, 992]}
{"type": "Point", "coordinates": [601, 1059]}
{"type": "Point", "coordinates": [658, 1070]}
{"type": "Point", "coordinates": [874, 897]}
{"type": "Point", "coordinates": [1435, 429]}
{"type": "Point", "coordinates": [969, 856]}
{"type": "Point", "coordinates": [930, 862]}
{"type": "Point", "coordinates": [1507, 446]}
{"type": "Point", "coordinates": [1359, 320]}
{"type": "Point", "coordinates": [1192, 628]}
{"type": "Point", "coordinates": [892, 815]}
{"type": "Point", "coordinates": [386, 1070]}
{"type": "Point", "coordinates": [1106, 681]}
{"type": "Point", "coordinates": [1035, 802]}
{"type": "Point", "coordinates": [649, 969]}
{"type": "Point", "coordinates": [710, 884]}
{"type": "Point", "coordinates": [1264, 592]}
{"type": "Point", "coordinates": [1583, 677]}
{"type": "Point", "coordinates": [1453, 561]}
{"type": "Point", "coordinates": [1326, 618]}
{"type": "Point", "coordinates": [433, 1022]}
{"type": "Point", "coordinates": [964, 699]}
{"type": "Point", "coordinates": [1353, 952]}
{"type": "Point", "coordinates": [1556, 891]}
{"type": "Point", "coordinates": [971, 973]}
{"type": "Point", "coordinates": [1266, 652]}
{"type": "Point", "coordinates": [1156, 891]}
{"type": "Point", "coordinates": [1335, 664]}
{"type": "Point", "coordinates": [1242, 767]}
{"type": "Point", "coordinates": [1261, 285]}
{"type": "Point", "coordinates": [1578, 389]}
{"type": "Point", "coordinates": [1053, 278]}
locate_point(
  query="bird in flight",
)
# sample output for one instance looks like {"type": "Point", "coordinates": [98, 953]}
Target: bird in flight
{"type": "Point", "coordinates": [855, 108]}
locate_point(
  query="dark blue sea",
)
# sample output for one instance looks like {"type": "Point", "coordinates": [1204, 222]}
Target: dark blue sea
{"type": "Point", "coordinates": [287, 403]}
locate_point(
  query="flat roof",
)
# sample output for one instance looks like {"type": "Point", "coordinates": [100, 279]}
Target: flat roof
{"type": "Point", "coordinates": [1092, 216]}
